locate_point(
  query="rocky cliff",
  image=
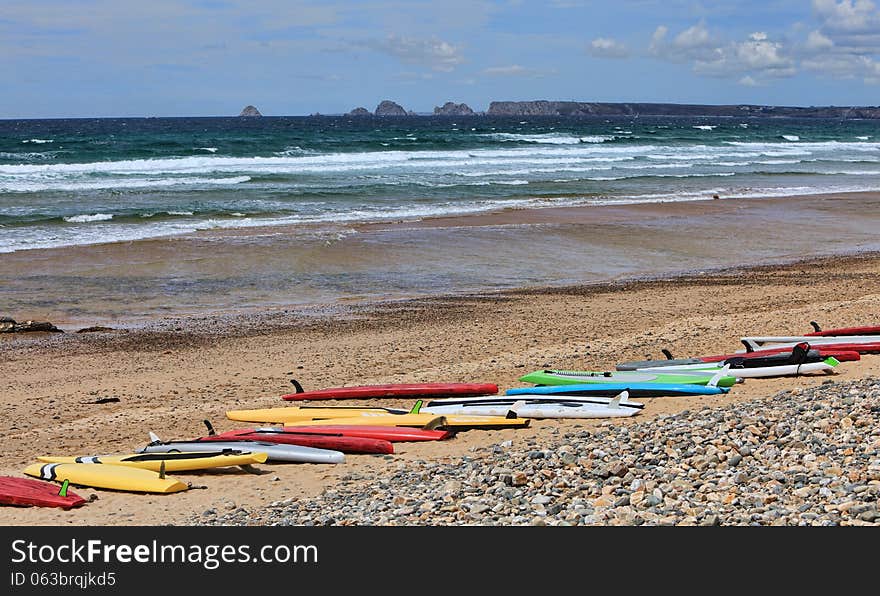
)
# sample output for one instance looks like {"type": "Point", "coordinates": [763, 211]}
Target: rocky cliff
{"type": "Point", "coordinates": [250, 111]}
{"type": "Point", "coordinates": [359, 112]}
{"type": "Point", "coordinates": [389, 108]}
{"type": "Point", "coordinates": [453, 109]}
{"type": "Point", "coordinates": [577, 108]}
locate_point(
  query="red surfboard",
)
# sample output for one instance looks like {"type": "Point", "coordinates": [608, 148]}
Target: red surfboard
{"type": "Point", "coordinates": [824, 352]}
{"type": "Point", "coordinates": [832, 348]}
{"type": "Point", "coordinates": [394, 434]}
{"type": "Point", "coordinates": [401, 390]}
{"type": "Point", "coordinates": [321, 439]}
{"type": "Point", "coordinates": [32, 492]}
{"type": "Point", "coordinates": [844, 331]}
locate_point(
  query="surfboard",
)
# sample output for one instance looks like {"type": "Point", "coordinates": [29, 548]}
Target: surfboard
{"type": "Point", "coordinates": [843, 331]}
{"type": "Point", "coordinates": [371, 417]}
{"type": "Point", "coordinates": [393, 434]}
{"type": "Point", "coordinates": [28, 492]}
{"type": "Point", "coordinates": [275, 452]}
{"type": "Point", "coordinates": [393, 390]}
{"type": "Point", "coordinates": [579, 377]}
{"type": "Point", "coordinates": [785, 370]}
{"type": "Point", "coordinates": [317, 439]}
{"type": "Point", "coordinates": [173, 462]}
{"type": "Point", "coordinates": [538, 406]}
{"type": "Point", "coordinates": [612, 389]}
{"type": "Point", "coordinates": [123, 478]}
{"type": "Point", "coordinates": [770, 357]}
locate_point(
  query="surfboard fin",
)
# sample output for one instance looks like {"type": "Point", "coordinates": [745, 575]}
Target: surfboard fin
{"type": "Point", "coordinates": [435, 423]}
{"type": "Point", "coordinates": [615, 403]}
{"type": "Point", "coordinates": [210, 427]}
{"type": "Point", "coordinates": [815, 326]}
{"type": "Point", "coordinates": [297, 386]}
{"type": "Point", "coordinates": [515, 406]}
{"type": "Point", "coordinates": [63, 491]}
{"type": "Point", "coordinates": [713, 382]}
{"type": "Point", "coordinates": [832, 361]}
{"type": "Point", "coordinates": [162, 470]}
{"type": "Point", "coordinates": [416, 407]}
{"type": "Point", "coordinates": [748, 345]}
{"type": "Point", "coordinates": [154, 438]}
{"type": "Point", "coordinates": [667, 353]}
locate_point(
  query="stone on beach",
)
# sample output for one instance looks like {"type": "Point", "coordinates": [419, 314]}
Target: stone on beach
{"type": "Point", "coordinates": [624, 486]}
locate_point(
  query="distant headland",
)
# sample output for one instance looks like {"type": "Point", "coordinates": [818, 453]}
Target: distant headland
{"type": "Point", "coordinates": [588, 109]}
{"type": "Point", "coordinates": [543, 107]}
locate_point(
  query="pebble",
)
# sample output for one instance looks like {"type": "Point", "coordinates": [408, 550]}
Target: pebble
{"type": "Point", "coordinates": [807, 456]}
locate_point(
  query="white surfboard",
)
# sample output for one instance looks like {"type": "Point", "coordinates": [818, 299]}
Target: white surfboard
{"type": "Point", "coordinates": [276, 452]}
{"type": "Point", "coordinates": [538, 406]}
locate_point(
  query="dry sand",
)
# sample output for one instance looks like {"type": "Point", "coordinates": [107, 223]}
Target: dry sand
{"type": "Point", "coordinates": [172, 375]}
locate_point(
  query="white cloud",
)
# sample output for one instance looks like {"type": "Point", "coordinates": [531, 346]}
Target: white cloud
{"type": "Point", "coordinates": [690, 44]}
{"type": "Point", "coordinates": [756, 58]}
{"type": "Point", "coordinates": [604, 47]}
{"type": "Point", "coordinates": [437, 54]}
{"type": "Point", "coordinates": [514, 70]}
{"type": "Point", "coordinates": [851, 16]}
{"type": "Point", "coordinates": [847, 39]}
{"type": "Point", "coordinates": [748, 81]}
{"type": "Point", "coordinates": [817, 41]}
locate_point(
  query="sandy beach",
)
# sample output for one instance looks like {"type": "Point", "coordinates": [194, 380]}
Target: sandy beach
{"type": "Point", "coordinates": [171, 374]}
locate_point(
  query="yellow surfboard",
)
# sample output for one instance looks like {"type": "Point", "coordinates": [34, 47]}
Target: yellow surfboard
{"type": "Point", "coordinates": [427, 421]}
{"type": "Point", "coordinates": [174, 462]}
{"type": "Point", "coordinates": [371, 417]}
{"type": "Point", "coordinates": [295, 413]}
{"type": "Point", "coordinates": [109, 476]}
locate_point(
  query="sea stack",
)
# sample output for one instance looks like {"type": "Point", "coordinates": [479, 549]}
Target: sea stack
{"type": "Point", "coordinates": [359, 112]}
{"type": "Point", "coordinates": [250, 112]}
{"type": "Point", "coordinates": [453, 109]}
{"type": "Point", "coordinates": [389, 108]}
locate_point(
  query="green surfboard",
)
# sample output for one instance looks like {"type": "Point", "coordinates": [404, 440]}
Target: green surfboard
{"type": "Point", "coordinates": [578, 377]}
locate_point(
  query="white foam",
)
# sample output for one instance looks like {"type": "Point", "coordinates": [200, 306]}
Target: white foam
{"type": "Point", "coordinates": [110, 184]}
{"type": "Point", "coordinates": [38, 141]}
{"type": "Point", "coordinates": [791, 137]}
{"type": "Point", "coordinates": [705, 127]}
{"type": "Point", "coordinates": [864, 138]}
{"type": "Point", "coordinates": [208, 149]}
{"type": "Point", "coordinates": [547, 138]}
{"type": "Point", "coordinates": [89, 218]}
{"type": "Point", "coordinates": [597, 139]}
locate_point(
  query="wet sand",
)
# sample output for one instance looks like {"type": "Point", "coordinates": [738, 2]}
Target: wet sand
{"type": "Point", "coordinates": [276, 268]}
{"type": "Point", "coordinates": [171, 374]}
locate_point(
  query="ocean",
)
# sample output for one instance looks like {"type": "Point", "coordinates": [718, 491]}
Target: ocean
{"type": "Point", "coordinates": [116, 220]}
{"type": "Point", "coordinates": [84, 181]}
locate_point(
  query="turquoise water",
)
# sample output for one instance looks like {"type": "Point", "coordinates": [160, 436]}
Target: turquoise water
{"type": "Point", "coordinates": [77, 182]}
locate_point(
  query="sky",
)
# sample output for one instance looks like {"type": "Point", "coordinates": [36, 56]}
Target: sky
{"type": "Point", "coordinates": [104, 58]}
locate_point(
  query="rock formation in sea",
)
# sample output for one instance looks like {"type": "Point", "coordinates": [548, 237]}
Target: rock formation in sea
{"type": "Point", "coordinates": [453, 109]}
{"type": "Point", "coordinates": [359, 112]}
{"type": "Point", "coordinates": [250, 111]}
{"type": "Point", "coordinates": [389, 108]}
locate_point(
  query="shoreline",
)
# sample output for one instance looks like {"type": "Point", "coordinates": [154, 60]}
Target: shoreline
{"type": "Point", "coordinates": [604, 230]}
{"type": "Point", "coordinates": [168, 381]}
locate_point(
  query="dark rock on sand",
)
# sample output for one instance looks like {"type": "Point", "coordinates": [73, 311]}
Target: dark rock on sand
{"type": "Point", "coordinates": [8, 325]}
{"type": "Point", "coordinates": [250, 111]}
{"type": "Point", "coordinates": [95, 329]}
{"type": "Point", "coordinates": [389, 108]}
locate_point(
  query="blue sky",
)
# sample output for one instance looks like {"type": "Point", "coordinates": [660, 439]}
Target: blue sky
{"type": "Point", "coordinates": [295, 57]}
